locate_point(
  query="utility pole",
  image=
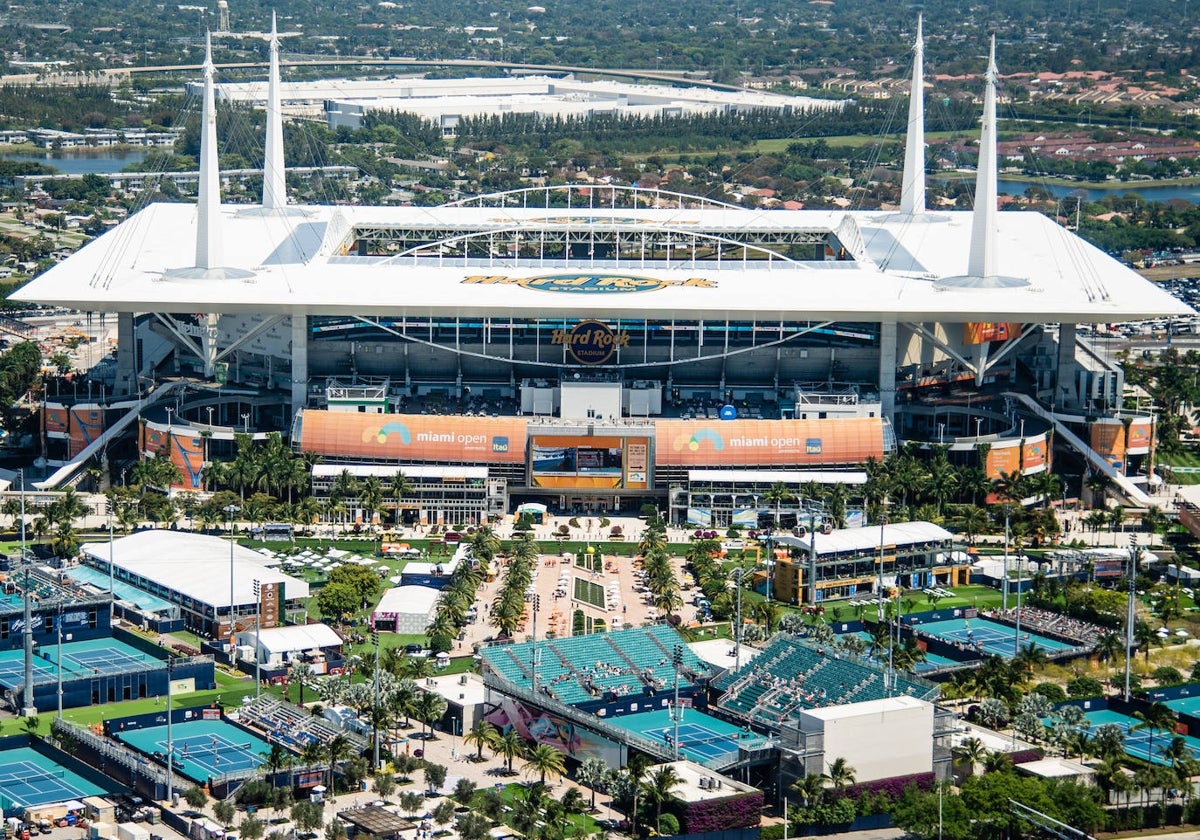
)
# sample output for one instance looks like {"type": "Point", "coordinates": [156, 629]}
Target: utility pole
{"type": "Point", "coordinates": [737, 628]}
{"type": "Point", "coordinates": [677, 662]}
{"type": "Point", "coordinates": [170, 732]}
{"type": "Point", "coordinates": [533, 675]}
{"type": "Point", "coordinates": [257, 640]}
{"type": "Point", "coordinates": [1129, 615]}
{"type": "Point", "coordinates": [374, 724]}
{"type": "Point", "coordinates": [1005, 587]}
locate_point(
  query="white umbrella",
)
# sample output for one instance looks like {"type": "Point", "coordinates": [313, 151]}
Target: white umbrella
{"type": "Point", "coordinates": [1181, 632]}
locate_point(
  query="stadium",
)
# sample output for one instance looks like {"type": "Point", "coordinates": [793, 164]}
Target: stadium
{"type": "Point", "coordinates": [768, 720]}
{"type": "Point", "coordinates": [600, 348]}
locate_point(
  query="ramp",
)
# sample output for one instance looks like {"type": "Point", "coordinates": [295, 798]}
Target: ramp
{"type": "Point", "coordinates": [69, 470]}
{"type": "Point", "coordinates": [1132, 493]}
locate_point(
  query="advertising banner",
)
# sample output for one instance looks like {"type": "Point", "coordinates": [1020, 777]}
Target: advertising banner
{"type": "Point", "coordinates": [417, 437]}
{"type": "Point", "coordinates": [54, 417]}
{"type": "Point", "coordinates": [154, 440]}
{"type": "Point", "coordinates": [1108, 441]}
{"type": "Point", "coordinates": [187, 453]}
{"type": "Point", "coordinates": [542, 728]}
{"type": "Point", "coordinates": [1003, 460]}
{"type": "Point", "coordinates": [743, 443]}
{"type": "Point", "coordinates": [1033, 455]}
{"type": "Point", "coordinates": [1140, 434]}
{"type": "Point", "coordinates": [87, 424]}
{"type": "Point", "coordinates": [980, 332]}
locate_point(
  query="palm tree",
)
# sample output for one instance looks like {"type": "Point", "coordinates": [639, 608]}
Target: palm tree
{"type": "Point", "coordinates": [429, 708]}
{"type": "Point", "coordinates": [658, 789]}
{"type": "Point", "coordinates": [777, 495]}
{"type": "Point", "coordinates": [997, 761]}
{"type": "Point", "coordinates": [509, 745]}
{"type": "Point", "coordinates": [543, 759]}
{"type": "Point", "coordinates": [594, 774]}
{"type": "Point", "coordinates": [974, 521]}
{"type": "Point", "coordinates": [399, 487]}
{"type": "Point", "coordinates": [303, 675]}
{"type": "Point", "coordinates": [337, 750]}
{"type": "Point", "coordinates": [811, 789]}
{"type": "Point", "coordinates": [840, 774]}
{"type": "Point", "coordinates": [970, 753]}
{"type": "Point", "coordinates": [1157, 717]}
{"type": "Point", "coordinates": [276, 759]}
{"type": "Point", "coordinates": [1029, 657]}
{"type": "Point", "coordinates": [482, 734]}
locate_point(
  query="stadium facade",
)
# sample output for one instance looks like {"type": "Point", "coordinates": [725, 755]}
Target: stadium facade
{"type": "Point", "coordinates": [600, 348]}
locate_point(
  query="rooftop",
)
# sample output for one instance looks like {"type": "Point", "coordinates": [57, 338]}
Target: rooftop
{"type": "Point", "coordinates": [300, 263]}
{"type": "Point", "coordinates": [197, 566]}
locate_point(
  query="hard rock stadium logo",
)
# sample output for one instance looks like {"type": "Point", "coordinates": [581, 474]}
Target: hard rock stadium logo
{"type": "Point", "coordinates": [588, 284]}
{"type": "Point", "coordinates": [590, 342]}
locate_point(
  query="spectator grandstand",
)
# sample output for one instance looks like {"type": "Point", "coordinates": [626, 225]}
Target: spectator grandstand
{"type": "Point", "coordinates": [790, 676]}
{"type": "Point", "coordinates": [292, 726]}
{"type": "Point", "coordinates": [583, 668]}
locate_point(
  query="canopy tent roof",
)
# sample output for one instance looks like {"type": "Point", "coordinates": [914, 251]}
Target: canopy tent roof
{"type": "Point", "coordinates": [300, 264]}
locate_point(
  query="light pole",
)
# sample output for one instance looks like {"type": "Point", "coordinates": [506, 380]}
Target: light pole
{"type": "Point", "coordinates": [1129, 617]}
{"type": "Point", "coordinates": [58, 626]}
{"type": "Point", "coordinates": [879, 594]}
{"type": "Point", "coordinates": [768, 539]}
{"type": "Point", "coordinates": [257, 639]}
{"type": "Point", "coordinates": [374, 726]}
{"type": "Point", "coordinates": [231, 510]}
{"type": "Point", "coordinates": [170, 733]}
{"type": "Point", "coordinates": [537, 602]}
{"type": "Point", "coordinates": [210, 410]}
{"type": "Point", "coordinates": [737, 628]}
{"type": "Point", "coordinates": [677, 662]}
{"type": "Point", "coordinates": [112, 600]}
{"type": "Point", "coordinates": [246, 422]}
{"type": "Point", "coordinates": [1004, 588]}
{"type": "Point", "coordinates": [1017, 640]}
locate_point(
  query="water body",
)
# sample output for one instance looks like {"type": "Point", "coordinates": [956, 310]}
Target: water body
{"type": "Point", "coordinates": [1146, 189]}
{"type": "Point", "coordinates": [82, 161]}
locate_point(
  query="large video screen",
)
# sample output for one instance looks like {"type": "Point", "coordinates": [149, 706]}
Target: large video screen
{"type": "Point", "coordinates": [591, 462]}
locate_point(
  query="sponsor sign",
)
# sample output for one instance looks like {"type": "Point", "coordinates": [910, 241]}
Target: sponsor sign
{"type": "Point", "coordinates": [767, 442]}
{"type": "Point", "coordinates": [981, 332]}
{"type": "Point", "coordinates": [589, 283]}
{"type": "Point", "coordinates": [590, 342]}
{"type": "Point", "coordinates": [452, 439]}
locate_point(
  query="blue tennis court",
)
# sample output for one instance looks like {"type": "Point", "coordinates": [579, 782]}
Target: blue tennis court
{"type": "Point", "coordinates": [1143, 743]}
{"type": "Point", "coordinates": [29, 779]}
{"type": "Point", "coordinates": [985, 636]}
{"type": "Point", "coordinates": [1184, 705]}
{"type": "Point", "coordinates": [701, 737]}
{"type": "Point", "coordinates": [202, 748]}
{"type": "Point", "coordinates": [80, 659]}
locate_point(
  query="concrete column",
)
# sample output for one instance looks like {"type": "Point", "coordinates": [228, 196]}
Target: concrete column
{"type": "Point", "coordinates": [1065, 393]}
{"type": "Point", "coordinates": [887, 367]}
{"type": "Point", "coordinates": [209, 344]}
{"type": "Point", "coordinates": [126, 381]}
{"type": "Point", "coordinates": [299, 361]}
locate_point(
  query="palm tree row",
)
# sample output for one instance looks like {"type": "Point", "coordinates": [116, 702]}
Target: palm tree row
{"type": "Point", "coordinates": [458, 598]}
{"type": "Point", "coordinates": [270, 467]}
{"type": "Point", "coordinates": [508, 608]}
{"type": "Point", "coordinates": [661, 578]}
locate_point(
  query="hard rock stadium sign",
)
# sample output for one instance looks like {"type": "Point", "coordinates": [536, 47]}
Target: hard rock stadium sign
{"type": "Point", "coordinates": [590, 342]}
{"type": "Point", "coordinates": [589, 284]}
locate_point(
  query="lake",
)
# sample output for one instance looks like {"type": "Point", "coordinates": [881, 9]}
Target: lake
{"type": "Point", "coordinates": [1146, 189]}
{"type": "Point", "coordinates": [82, 161]}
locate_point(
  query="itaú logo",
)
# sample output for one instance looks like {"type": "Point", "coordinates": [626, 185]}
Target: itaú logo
{"type": "Point", "coordinates": [590, 342]}
{"type": "Point", "coordinates": [589, 283]}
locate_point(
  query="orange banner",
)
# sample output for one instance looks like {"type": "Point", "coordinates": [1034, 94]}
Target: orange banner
{"type": "Point", "coordinates": [767, 442]}
{"type": "Point", "coordinates": [1033, 454]}
{"type": "Point", "coordinates": [1140, 437]}
{"type": "Point", "coordinates": [87, 424]}
{"type": "Point", "coordinates": [154, 440]}
{"type": "Point", "coordinates": [187, 453]}
{"type": "Point", "coordinates": [416, 437]}
{"type": "Point", "coordinates": [1108, 439]}
{"type": "Point", "coordinates": [1003, 460]}
{"type": "Point", "coordinates": [55, 418]}
{"type": "Point", "coordinates": [979, 332]}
